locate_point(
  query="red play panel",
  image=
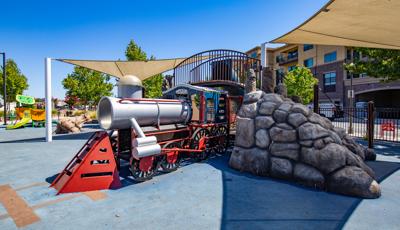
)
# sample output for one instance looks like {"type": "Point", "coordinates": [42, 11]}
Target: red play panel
{"type": "Point", "coordinates": [92, 168]}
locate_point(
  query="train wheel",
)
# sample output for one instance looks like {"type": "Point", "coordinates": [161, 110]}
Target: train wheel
{"type": "Point", "coordinates": [221, 140]}
{"type": "Point", "coordinates": [199, 142]}
{"type": "Point", "coordinates": [142, 169]}
{"type": "Point", "coordinates": [171, 160]}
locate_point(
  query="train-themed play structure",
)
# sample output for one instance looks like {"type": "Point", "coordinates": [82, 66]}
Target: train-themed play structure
{"type": "Point", "coordinates": [194, 118]}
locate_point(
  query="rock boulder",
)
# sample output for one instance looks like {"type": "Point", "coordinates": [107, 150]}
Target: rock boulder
{"type": "Point", "coordinates": [279, 138]}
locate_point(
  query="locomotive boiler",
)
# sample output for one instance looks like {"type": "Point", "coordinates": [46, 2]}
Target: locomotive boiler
{"type": "Point", "coordinates": [155, 135]}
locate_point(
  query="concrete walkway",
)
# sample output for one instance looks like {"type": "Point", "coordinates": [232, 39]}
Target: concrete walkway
{"type": "Point", "coordinates": [206, 195]}
{"type": "Point", "coordinates": [382, 213]}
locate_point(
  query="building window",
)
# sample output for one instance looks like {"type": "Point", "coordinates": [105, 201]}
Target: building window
{"type": "Point", "coordinates": [309, 62]}
{"type": "Point", "coordinates": [329, 82]}
{"type": "Point", "coordinates": [330, 57]}
{"type": "Point", "coordinates": [290, 68]}
{"type": "Point", "coordinates": [292, 54]}
{"type": "Point", "coordinates": [253, 55]}
{"type": "Point", "coordinates": [279, 58]}
{"type": "Point", "coordinates": [308, 47]}
{"type": "Point", "coordinates": [355, 75]}
{"type": "Point", "coordinates": [348, 54]}
{"type": "Point", "coordinates": [279, 75]}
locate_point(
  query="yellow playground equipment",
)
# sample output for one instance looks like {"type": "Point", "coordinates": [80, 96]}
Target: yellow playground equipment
{"type": "Point", "coordinates": [24, 115]}
{"type": "Point", "coordinates": [38, 116]}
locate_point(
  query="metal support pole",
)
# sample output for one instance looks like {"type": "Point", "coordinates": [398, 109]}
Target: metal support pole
{"type": "Point", "coordinates": [49, 107]}
{"type": "Point", "coordinates": [264, 61]}
{"type": "Point", "coordinates": [350, 131]}
{"type": "Point", "coordinates": [371, 124]}
{"type": "Point", "coordinates": [202, 116]}
{"type": "Point", "coordinates": [316, 98]}
{"type": "Point", "coordinates": [4, 88]}
{"type": "Point", "coordinates": [316, 86]}
{"type": "Point", "coordinates": [264, 55]}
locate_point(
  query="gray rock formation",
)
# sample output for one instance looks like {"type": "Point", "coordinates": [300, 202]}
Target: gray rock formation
{"type": "Point", "coordinates": [245, 127]}
{"type": "Point", "coordinates": [262, 138]}
{"type": "Point", "coordinates": [250, 85]}
{"type": "Point", "coordinates": [308, 176]}
{"type": "Point", "coordinates": [281, 89]}
{"type": "Point", "coordinates": [268, 80]}
{"type": "Point", "coordinates": [354, 181]}
{"type": "Point", "coordinates": [279, 138]}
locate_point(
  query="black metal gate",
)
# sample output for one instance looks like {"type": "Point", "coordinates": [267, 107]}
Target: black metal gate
{"type": "Point", "coordinates": [372, 123]}
{"type": "Point", "coordinates": [216, 65]}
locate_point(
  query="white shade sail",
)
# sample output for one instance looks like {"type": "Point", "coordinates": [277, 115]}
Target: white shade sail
{"type": "Point", "coordinates": [140, 69]}
{"type": "Point", "coordinates": [358, 23]}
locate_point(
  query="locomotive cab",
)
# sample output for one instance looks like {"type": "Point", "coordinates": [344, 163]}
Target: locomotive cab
{"type": "Point", "coordinates": [208, 104]}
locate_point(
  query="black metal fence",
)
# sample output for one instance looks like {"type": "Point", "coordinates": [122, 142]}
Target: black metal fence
{"type": "Point", "coordinates": [383, 122]}
{"type": "Point", "coordinates": [216, 65]}
{"type": "Point", "coordinates": [387, 121]}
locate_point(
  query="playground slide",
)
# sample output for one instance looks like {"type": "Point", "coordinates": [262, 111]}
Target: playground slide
{"type": "Point", "coordinates": [19, 124]}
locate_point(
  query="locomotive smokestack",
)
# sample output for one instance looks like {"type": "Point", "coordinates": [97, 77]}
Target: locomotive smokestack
{"type": "Point", "coordinates": [130, 86]}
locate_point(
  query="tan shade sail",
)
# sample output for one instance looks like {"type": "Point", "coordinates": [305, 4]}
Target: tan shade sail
{"type": "Point", "coordinates": [140, 69]}
{"type": "Point", "coordinates": [359, 23]}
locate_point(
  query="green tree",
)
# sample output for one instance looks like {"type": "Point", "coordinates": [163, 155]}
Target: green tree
{"type": "Point", "coordinates": [300, 82]}
{"type": "Point", "coordinates": [134, 52]}
{"type": "Point", "coordinates": [379, 63]}
{"type": "Point", "coordinates": [152, 85]}
{"type": "Point", "coordinates": [71, 100]}
{"type": "Point", "coordinates": [16, 82]}
{"type": "Point", "coordinates": [87, 85]}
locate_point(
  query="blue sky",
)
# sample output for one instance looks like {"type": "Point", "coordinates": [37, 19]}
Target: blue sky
{"type": "Point", "coordinates": [33, 30]}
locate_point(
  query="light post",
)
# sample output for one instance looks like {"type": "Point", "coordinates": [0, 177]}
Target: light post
{"type": "Point", "coordinates": [4, 87]}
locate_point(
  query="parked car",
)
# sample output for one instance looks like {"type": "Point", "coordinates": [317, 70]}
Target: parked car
{"type": "Point", "coordinates": [329, 110]}
{"type": "Point", "coordinates": [361, 109]}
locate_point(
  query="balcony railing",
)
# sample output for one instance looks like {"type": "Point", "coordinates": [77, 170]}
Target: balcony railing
{"type": "Point", "coordinates": [289, 58]}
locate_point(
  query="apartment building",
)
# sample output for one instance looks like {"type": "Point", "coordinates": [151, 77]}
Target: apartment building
{"type": "Point", "coordinates": [327, 64]}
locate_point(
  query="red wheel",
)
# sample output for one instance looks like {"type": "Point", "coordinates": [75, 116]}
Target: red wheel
{"type": "Point", "coordinates": [171, 160]}
{"type": "Point", "coordinates": [221, 139]}
{"type": "Point", "coordinates": [199, 142]}
{"type": "Point", "coordinates": [142, 169]}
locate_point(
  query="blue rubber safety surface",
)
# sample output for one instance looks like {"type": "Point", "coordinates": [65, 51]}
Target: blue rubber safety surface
{"type": "Point", "coordinates": [207, 195]}
{"type": "Point", "coordinates": [251, 202]}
